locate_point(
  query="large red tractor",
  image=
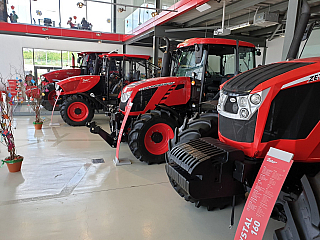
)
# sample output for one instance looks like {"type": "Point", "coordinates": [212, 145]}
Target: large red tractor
{"type": "Point", "coordinates": [276, 105]}
{"type": "Point", "coordinates": [161, 104]}
{"type": "Point", "coordinates": [82, 95]}
{"type": "Point", "coordinates": [85, 60]}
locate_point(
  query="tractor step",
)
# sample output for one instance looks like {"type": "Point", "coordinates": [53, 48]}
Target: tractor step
{"type": "Point", "coordinates": [203, 169]}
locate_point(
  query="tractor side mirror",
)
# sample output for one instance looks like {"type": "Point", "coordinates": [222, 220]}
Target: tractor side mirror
{"type": "Point", "coordinates": [258, 52]}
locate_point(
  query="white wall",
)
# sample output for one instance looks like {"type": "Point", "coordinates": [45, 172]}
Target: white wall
{"type": "Point", "coordinates": [11, 50]}
{"type": "Point", "coordinates": [274, 50]}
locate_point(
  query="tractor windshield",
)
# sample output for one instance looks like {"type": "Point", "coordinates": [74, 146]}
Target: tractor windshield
{"type": "Point", "coordinates": [187, 64]}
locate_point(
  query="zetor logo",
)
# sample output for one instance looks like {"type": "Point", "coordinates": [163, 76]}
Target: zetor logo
{"type": "Point", "coordinates": [314, 78]}
{"type": "Point", "coordinates": [85, 80]}
{"type": "Point", "coordinates": [270, 160]}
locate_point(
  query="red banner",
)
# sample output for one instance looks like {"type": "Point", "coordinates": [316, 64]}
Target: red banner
{"type": "Point", "coordinates": [123, 124]}
{"type": "Point", "coordinates": [263, 195]}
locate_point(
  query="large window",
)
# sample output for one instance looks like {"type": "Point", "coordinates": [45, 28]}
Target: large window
{"type": "Point", "coordinates": [40, 61]}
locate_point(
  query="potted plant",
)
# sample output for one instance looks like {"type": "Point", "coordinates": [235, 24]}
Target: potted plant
{"type": "Point", "coordinates": [14, 160]}
{"type": "Point", "coordinates": [33, 93]}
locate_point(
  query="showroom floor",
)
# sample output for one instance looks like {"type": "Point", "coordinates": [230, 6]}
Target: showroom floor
{"type": "Point", "coordinates": [61, 194]}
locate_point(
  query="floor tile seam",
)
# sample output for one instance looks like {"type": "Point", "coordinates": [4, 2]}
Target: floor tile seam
{"type": "Point", "coordinates": [67, 193]}
{"type": "Point", "coordinates": [120, 188]}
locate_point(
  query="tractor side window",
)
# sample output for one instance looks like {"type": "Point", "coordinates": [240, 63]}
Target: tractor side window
{"type": "Point", "coordinates": [246, 59]}
{"type": "Point", "coordinates": [213, 66]}
{"type": "Point", "coordinates": [135, 70]}
{"type": "Point", "coordinates": [229, 63]}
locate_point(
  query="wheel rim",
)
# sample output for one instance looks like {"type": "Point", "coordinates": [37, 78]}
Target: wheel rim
{"type": "Point", "coordinates": [78, 111]}
{"type": "Point", "coordinates": [52, 97]}
{"type": "Point", "coordinates": [157, 137]}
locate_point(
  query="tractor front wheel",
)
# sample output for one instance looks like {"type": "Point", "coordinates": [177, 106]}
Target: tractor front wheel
{"type": "Point", "coordinates": [76, 111]}
{"type": "Point", "coordinates": [150, 134]}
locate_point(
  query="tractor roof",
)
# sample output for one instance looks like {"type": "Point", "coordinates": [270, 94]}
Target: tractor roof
{"type": "Point", "coordinates": [89, 52]}
{"type": "Point", "coordinates": [120, 56]}
{"type": "Point", "coordinates": [213, 41]}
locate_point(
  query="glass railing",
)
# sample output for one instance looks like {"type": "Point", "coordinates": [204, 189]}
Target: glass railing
{"type": "Point", "coordinates": [93, 16]}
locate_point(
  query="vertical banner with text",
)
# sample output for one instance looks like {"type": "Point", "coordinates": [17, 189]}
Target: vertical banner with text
{"type": "Point", "coordinates": [263, 195]}
{"type": "Point", "coordinates": [123, 124]}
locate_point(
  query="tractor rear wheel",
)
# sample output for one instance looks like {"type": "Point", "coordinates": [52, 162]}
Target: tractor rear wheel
{"type": "Point", "coordinates": [49, 97]}
{"type": "Point", "coordinates": [303, 215]}
{"type": "Point", "coordinates": [76, 111]}
{"type": "Point", "coordinates": [148, 139]}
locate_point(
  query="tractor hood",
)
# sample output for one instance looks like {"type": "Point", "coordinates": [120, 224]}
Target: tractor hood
{"type": "Point", "coordinates": [77, 84]}
{"type": "Point", "coordinates": [147, 94]}
{"type": "Point", "coordinates": [61, 74]}
{"type": "Point", "coordinates": [266, 76]}
{"type": "Point", "coordinates": [154, 83]}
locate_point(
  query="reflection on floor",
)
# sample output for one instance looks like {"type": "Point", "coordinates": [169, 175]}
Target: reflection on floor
{"type": "Point", "coordinates": [25, 109]}
{"type": "Point", "coordinates": [61, 194]}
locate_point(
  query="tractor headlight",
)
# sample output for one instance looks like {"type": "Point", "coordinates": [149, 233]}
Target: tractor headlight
{"type": "Point", "coordinates": [244, 113]}
{"type": "Point", "coordinates": [243, 102]}
{"type": "Point", "coordinates": [125, 96]}
{"type": "Point", "coordinates": [255, 99]}
{"type": "Point", "coordinates": [42, 78]}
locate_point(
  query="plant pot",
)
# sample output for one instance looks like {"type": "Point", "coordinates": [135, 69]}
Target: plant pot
{"type": "Point", "coordinates": [15, 164]}
{"type": "Point", "coordinates": [37, 125]}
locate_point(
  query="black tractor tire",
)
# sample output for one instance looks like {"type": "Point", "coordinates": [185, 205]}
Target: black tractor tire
{"type": "Point", "coordinates": [203, 125]}
{"type": "Point", "coordinates": [48, 98]}
{"type": "Point", "coordinates": [148, 139]}
{"type": "Point", "coordinates": [303, 215]}
{"type": "Point", "coordinates": [76, 111]}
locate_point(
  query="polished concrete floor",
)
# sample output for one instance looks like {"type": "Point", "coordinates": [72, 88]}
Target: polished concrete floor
{"type": "Point", "coordinates": [61, 194]}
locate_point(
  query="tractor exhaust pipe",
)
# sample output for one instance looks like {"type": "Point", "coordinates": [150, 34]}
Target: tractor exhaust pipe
{"type": "Point", "coordinates": [166, 60]}
{"type": "Point", "coordinates": [301, 27]}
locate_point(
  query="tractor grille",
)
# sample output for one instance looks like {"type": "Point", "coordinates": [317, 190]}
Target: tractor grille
{"type": "Point", "coordinates": [142, 99]}
{"type": "Point", "coordinates": [238, 130]}
{"type": "Point", "coordinates": [245, 82]}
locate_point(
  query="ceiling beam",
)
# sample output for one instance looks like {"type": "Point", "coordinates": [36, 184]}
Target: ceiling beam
{"type": "Point", "coordinates": [231, 8]}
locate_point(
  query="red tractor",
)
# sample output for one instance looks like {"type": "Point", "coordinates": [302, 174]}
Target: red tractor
{"type": "Point", "coordinates": [82, 95]}
{"type": "Point", "coordinates": [276, 105]}
{"type": "Point", "coordinates": [161, 104]}
{"type": "Point", "coordinates": [85, 60]}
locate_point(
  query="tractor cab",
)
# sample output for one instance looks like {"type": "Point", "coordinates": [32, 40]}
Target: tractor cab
{"type": "Point", "coordinates": [211, 62]}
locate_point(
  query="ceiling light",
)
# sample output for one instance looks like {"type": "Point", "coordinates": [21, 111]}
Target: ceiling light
{"type": "Point", "coordinates": [80, 4]}
{"type": "Point", "coordinates": [120, 10]}
{"type": "Point", "coordinates": [203, 7]}
{"type": "Point", "coordinates": [242, 25]}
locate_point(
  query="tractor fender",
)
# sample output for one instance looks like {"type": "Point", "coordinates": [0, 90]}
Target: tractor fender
{"type": "Point", "coordinates": [78, 84]}
{"type": "Point", "coordinates": [172, 112]}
